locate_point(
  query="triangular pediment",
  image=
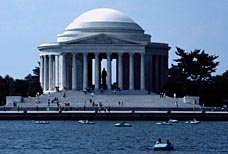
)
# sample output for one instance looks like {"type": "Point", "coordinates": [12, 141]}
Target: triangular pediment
{"type": "Point", "coordinates": [102, 39]}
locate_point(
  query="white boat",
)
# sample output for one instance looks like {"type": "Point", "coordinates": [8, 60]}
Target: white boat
{"type": "Point", "coordinates": [163, 146]}
{"type": "Point", "coordinates": [192, 122]}
{"type": "Point", "coordinates": [123, 124]}
{"type": "Point", "coordinates": [164, 123]}
{"type": "Point", "coordinates": [41, 122]}
{"type": "Point", "coordinates": [172, 121]}
{"type": "Point", "coordinates": [86, 122]}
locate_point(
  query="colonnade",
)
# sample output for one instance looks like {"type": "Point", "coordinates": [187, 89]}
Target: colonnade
{"type": "Point", "coordinates": [156, 72]}
{"type": "Point", "coordinates": [72, 71]}
{"type": "Point", "coordinates": [53, 71]}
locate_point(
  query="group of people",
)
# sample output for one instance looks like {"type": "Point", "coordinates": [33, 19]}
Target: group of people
{"type": "Point", "coordinates": [120, 103]}
{"type": "Point", "coordinates": [162, 94]}
{"type": "Point", "coordinates": [167, 142]}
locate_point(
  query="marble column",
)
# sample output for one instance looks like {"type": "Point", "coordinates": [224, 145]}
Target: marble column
{"type": "Point", "coordinates": [162, 72]}
{"type": "Point", "coordinates": [85, 70]}
{"type": "Point", "coordinates": [56, 70]}
{"type": "Point", "coordinates": [109, 71]}
{"type": "Point", "coordinates": [50, 73]}
{"type": "Point", "coordinates": [142, 73]}
{"type": "Point", "coordinates": [166, 66]}
{"type": "Point", "coordinates": [97, 71]}
{"type": "Point", "coordinates": [120, 71]}
{"type": "Point", "coordinates": [42, 71]}
{"type": "Point", "coordinates": [151, 73]}
{"type": "Point", "coordinates": [63, 71]}
{"type": "Point", "coordinates": [45, 73]}
{"type": "Point", "coordinates": [131, 72]}
{"type": "Point", "coordinates": [74, 71]}
{"type": "Point", "coordinates": [156, 73]}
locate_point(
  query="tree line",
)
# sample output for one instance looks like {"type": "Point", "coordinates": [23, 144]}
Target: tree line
{"type": "Point", "coordinates": [29, 86]}
{"type": "Point", "coordinates": [192, 76]}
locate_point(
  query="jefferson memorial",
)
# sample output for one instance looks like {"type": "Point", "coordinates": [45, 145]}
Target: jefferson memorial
{"type": "Point", "coordinates": [74, 61]}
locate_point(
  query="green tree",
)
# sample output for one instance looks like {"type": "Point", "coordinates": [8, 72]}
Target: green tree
{"type": "Point", "coordinates": [26, 87]}
{"type": "Point", "coordinates": [10, 85]}
{"type": "Point", "coordinates": [196, 65]}
{"type": "Point", "coordinates": [221, 84]}
{"type": "Point", "coordinates": [21, 87]}
{"type": "Point", "coordinates": [33, 82]}
{"type": "Point", "coordinates": [36, 70]}
{"type": "Point", "coordinates": [3, 86]}
{"type": "Point", "coordinates": [192, 74]}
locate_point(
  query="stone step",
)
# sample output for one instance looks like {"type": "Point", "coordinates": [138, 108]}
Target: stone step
{"type": "Point", "coordinates": [108, 98]}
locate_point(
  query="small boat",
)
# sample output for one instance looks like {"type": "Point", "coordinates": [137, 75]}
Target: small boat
{"type": "Point", "coordinates": [192, 122]}
{"type": "Point", "coordinates": [172, 121]}
{"type": "Point", "coordinates": [86, 122]}
{"type": "Point", "coordinates": [41, 122]}
{"type": "Point", "coordinates": [123, 124]}
{"type": "Point", "coordinates": [164, 123]}
{"type": "Point", "coordinates": [163, 146]}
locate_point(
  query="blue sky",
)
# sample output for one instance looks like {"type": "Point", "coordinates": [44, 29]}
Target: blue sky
{"type": "Point", "coordinates": [195, 24]}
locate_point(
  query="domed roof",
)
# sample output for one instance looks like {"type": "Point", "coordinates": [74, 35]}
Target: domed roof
{"type": "Point", "coordinates": [103, 18]}
{"type": "Point", "coordinates": [103, 21]}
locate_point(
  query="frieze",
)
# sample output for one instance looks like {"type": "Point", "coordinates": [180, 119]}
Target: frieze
{"type": "Point", "coordinates": [103, 40]}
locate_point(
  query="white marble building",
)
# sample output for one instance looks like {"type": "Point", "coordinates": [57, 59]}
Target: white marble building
{"type": "Point", "coordinates": [103, 34]}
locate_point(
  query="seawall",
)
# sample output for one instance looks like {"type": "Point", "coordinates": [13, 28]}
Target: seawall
{"type": "Point", "coordinates": [114, 115]}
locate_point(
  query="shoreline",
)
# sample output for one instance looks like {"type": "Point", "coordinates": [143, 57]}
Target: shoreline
{"type": "Point", "coordinates": [115, 115]}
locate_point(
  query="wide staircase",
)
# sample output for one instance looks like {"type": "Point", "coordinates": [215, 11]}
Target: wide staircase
{"type": "Point", "coordinates": [109, 98]}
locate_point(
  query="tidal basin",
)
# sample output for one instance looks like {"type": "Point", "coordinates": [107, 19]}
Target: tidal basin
{"type": "Point", "coordinates": [70, 137]}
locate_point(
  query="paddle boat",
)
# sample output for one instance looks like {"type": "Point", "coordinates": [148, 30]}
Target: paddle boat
{"type": "Point", "coordinates": [172, 121]}
{"type": "Point", "coordinates": [164, 123]}
{"type": "Point", "coordinates": [163, 146]}
{"type": "Point", "coordinates": [194, 121]}
{"type": "Point", "coordinates": [123, 124]}
{"type": "Point", "coordinates": [41, 122]}
{"type": "Point", "coordinates": [86, 122]}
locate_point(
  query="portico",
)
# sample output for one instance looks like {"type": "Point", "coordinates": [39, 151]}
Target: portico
{"type": "Point", "coordinates": [69, 63]}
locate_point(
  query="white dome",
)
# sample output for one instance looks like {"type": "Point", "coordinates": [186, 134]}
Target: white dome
{"type": "Point", "coordinates": [100, 15]}
{"type": "Point", "coordinates": [102, 21]}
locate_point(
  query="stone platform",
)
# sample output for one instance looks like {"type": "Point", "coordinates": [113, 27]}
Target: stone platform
{"type": "Point", "coordinates": [124, 105]}
{"type": "Point", "coordinates": [108, 98]}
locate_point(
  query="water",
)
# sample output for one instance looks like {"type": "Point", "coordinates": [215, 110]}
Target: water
{"type": "Point", "coordinates": [70, 137]}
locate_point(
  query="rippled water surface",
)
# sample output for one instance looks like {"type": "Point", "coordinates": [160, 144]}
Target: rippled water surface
{"type": "Point", "coordinates": [70, 137]}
